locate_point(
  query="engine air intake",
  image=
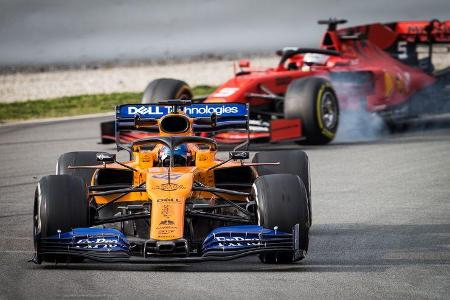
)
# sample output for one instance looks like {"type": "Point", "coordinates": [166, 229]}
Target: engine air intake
{"type": "Point", "coordinates": [174, 124]}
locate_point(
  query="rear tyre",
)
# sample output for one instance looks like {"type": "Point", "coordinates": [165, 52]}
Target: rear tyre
{"type": "Point", "coordinates": [314, 101]}
{"type": "Point", "coordinates": [166, 89]}
{"type": "Point", "coordinates": [61, 203]}
{"type": "Point", "coordinates": [81, 158]}
{"type": "Point", "coordinates": [291, 162]}
{"type": "Point", "coordinates": [282, 201]}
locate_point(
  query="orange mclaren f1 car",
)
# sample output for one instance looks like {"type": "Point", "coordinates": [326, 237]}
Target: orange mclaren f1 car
{"type": "Point", "coordinates": [385, 69]}
{"type": "Point", "coordinates": [174, 200]}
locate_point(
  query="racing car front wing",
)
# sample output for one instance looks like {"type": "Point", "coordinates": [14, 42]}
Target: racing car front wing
{"type": "Point", "coordinates": [223, 243]}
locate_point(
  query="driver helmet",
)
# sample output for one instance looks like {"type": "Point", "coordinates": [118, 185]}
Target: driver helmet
{"type": "Point", "coordinates": [180, 156]}
{"type": "Point", "coordinates": [315, 59]}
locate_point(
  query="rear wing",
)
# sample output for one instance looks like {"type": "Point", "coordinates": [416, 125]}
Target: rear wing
{"type": "Point", "coordinates": [207, 117]}
{"type": "Point", "coordinates": [400, 39]}
{"type": "Point", "coordinates": [386, 35]}
{"type": "Point", "coordinates": [433, 31]}
{"type": "Point", "coordinates": [414, 41]}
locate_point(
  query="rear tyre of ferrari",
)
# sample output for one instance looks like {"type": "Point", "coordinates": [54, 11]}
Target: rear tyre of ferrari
{"type": "Point", "coordinates": [61, 204]}
{"type": "Point", "coordinates": [291, 162]}
{"type": "Point", "coordinates": [314, 101]}
{"type": "Point", "coordinates": [282, 202]}
{"type": "Point", "coordinates": [165, 89]}
{"type": "Point", "coordinates": [80, 158]}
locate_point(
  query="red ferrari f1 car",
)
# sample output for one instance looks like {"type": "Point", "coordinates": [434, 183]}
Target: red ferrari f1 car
{"type": "Point", "coordinates": [386, 69]}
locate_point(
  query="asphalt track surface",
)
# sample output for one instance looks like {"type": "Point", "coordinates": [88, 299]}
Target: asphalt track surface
{"type": "Point", "coordinates": [381, 227]}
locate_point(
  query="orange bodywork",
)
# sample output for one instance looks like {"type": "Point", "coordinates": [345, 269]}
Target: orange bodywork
{"type": "Point", "coordinates": [166, 193]}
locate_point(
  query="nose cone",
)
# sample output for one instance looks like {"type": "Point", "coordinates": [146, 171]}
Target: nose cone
{"type": "Point", "coordinates": [168, 202]}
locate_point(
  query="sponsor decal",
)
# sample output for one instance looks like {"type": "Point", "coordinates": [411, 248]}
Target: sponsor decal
{"type": "Point", "coordinates": [146, 157]}
{"type": "Point", "coordinates": [165, 228]}
{"type": "Point", "coordinates": [168, 200]}
{"type": "Point", "coordinates": [194, 111]}
{"type": "Point", "coordinates": [166, 176]}
{"type": "Point", "coordinates": [171, 236]}
{"type": "Point", "coordinates": [147, 110]}
{"type": "Point", "coordinates": [225, 92]}
{"type": "Point", "coordinates": [169, 187]}
{"type": "Point", "coordinates": [439, 28]}
{"type": "Point", "coordinates": [203, 158]}
{"type": "Point", "coordinates": [166, 222]}
{"type": "Point", "coordinates": [209, 110]}
{"type": "Point", "coordinates": [402, 82]}
{"type": "Point", "coordinates": [388, 84]}
{"type": "Point", "coordinates": [97, 243]}
{"type": "Point", "coordinates": [165, 210]}
{"type": "Point", "coordinates": [102, 156]}
{"type": "Point", "coordinates": [236, 241]}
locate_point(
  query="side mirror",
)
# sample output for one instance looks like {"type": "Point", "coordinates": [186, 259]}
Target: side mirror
{"type": "Point", "coordinates": [239, 155]}
{"type": "Point", "coordinates": [105, 157]}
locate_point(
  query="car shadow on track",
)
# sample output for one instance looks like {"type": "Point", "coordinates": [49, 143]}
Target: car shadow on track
{"type": "Point", "coordinates": [333, 248]}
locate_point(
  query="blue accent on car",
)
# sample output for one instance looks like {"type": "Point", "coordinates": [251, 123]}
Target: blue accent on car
{"type": "Point", "coordinates": [242, 237]}
{"type": "Point", "coordinates": [96, 239]}
{"type": "Point", "coordinates": [196, 110]}
{"type": "Point", "coordinates": [224, 243]}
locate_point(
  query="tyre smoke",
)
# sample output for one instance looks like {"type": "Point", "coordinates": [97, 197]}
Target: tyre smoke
{"type": "Point", "coordinates": [359, 125]}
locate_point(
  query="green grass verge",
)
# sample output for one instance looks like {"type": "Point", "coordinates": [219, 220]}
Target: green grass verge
{"type": "Point", "coordinates": [75, 105]}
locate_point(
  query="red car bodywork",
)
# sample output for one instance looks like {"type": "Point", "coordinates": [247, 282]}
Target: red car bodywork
{"type": "Point", "coordinates": [375, 67]}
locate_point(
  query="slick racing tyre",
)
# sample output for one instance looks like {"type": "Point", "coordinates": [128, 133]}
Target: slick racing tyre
{"type": "Point", "coordinates": [282, 202]}
{"type": "Point", "coordinates": [166, 89]}
{"type": "Point", "coordinates": [291, 162]}
{"type": "Point", "coordinates": [314, 101]}
{"type": "Point", "coordinates": [60, 204]}
{"type": "Point", "coordinates": [81, 158]}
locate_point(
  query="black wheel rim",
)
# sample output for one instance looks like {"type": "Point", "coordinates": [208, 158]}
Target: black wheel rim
{"type": "Point", "coordinates": [329, 110]}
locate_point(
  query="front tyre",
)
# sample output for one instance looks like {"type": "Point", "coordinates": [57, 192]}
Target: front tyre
{"type": "Point", "coordinates": [61, 204]}
{"type": "Point", "coordinates": [282, 202]}
{"type": "Point", "coordinates": [314, 101]}
{"type": "Point", "coordinates": [291, 162]}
